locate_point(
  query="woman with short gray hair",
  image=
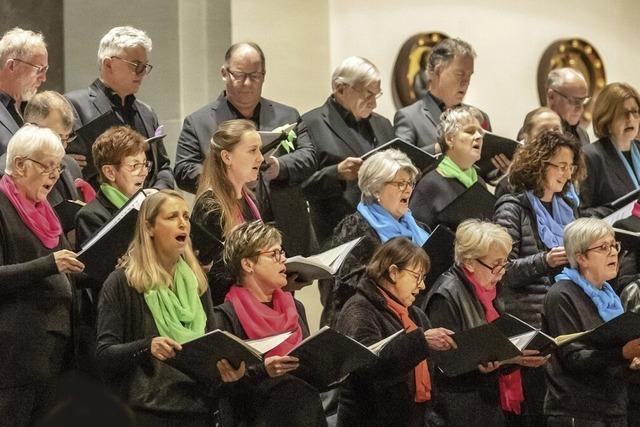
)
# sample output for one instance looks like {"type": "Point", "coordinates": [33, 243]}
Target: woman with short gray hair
{"type": "Point", "coordinates": [587, 385]}
{"type": "Point", "coordinates": [386, 180]}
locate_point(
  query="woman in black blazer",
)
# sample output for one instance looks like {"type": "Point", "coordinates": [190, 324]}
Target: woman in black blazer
{"type": "Point", "coordinates": [613, 161]}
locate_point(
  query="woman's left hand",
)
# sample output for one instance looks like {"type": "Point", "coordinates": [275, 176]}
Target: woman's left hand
{"type": "Point", "coordinates": [529, 359]}
{"type": "Point", "coordinates": [440, 339]}
{"type": "Point", "coordinates": [293, 284]}
{"type": "Point", "coordinates": [227, 373]}
{"type": "Point", "coordinates": [501, 162]}
{"type": "Point", "coordinates": [280, 365]}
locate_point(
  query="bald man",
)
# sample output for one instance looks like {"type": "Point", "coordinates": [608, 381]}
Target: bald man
{"type": "Point", "coordinates": [567, 95]}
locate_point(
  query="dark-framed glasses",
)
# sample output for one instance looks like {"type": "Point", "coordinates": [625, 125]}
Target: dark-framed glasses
{"type": "Point", "coordinates": [276, 254]}
{"type": "Point", "coordinates": [367, 95]}
{"type": "Point", "coordinates": [576, 102]}
{"type": "Point", "coordinates": [66, 139]}
{"type": "Point", "coordinates": [605, 248]}
{"type": "Point", "coordinates": [402, 185]}
{"type": "Point", "coordinates": [40, 69]}
{"type": "Point", "coordinates": [418, 276]}
{"type": "Point", "coordinates": [496, 269]}
{"type": "Point", "coordinates": [138, 67]}
{"type": "Point", "coordinates": [563, 167]}
{"type": "Point", "coordinates": [239, 76]}
{"type": "Point", "coordinates": [47, 170]}
{"type": "Point", "coordinates": [138, 167]}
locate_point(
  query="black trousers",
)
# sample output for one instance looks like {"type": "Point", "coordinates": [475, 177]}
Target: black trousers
{"type": "Point", "coordinates": [561, 421]}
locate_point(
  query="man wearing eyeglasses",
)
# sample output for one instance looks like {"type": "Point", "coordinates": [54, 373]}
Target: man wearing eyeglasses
{"type": "Point", "coordinates": [342, 130]}
{"type": "Point", "coordinates": [123, 62]}
{"type": "Point", "coordinates": [567, 95]}
{"type": "Point", "coordinates": [279, 194]}
{"type": "Point", "coordinates": [23, 68]}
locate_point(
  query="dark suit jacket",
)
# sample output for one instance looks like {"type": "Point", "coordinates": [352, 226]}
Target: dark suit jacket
{"type": "Point", "coordinates": [278, 199]}
{"type": "Point", "coordinates": [8, 127]}
{"type": "Point", "coordinates": [331, 198]}
{"type": "Point", "coordinates": [418, 123]}
{"type": "Point", "coordinates": [607, 178]}
{"type": "Point", "coordinates": [90, 103]}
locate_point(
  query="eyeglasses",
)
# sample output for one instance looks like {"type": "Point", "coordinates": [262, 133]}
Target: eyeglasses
{"type": "Point", "coordinates": [496, 269]}
{"type": "Point", "coordinates": [239, 76]}
{"type": "Point", "coordinates": [564, 168]}
{"type": "Point", "coordinates": [605, 248]}
{"type": "Point", "coordinates": [402, 185]}
{"type": "Point", "coordinates": [635, 113]}
{"type": "Point", "coordinates": [40, 69]}
{"type": "Point", "coordinates": [48, 170]}
{"type": "Point", "coordinates": [138, 167]}
{"type": "Point", "coordinates": [367, 95]}
{"type": "Point", "coordinates": [65, 139]}
{"type": "Point", "coordinates": [419, 277]}
{"type": "Point", "coordinates": [277, 254]}
{"type": "Point", "coordinates": [138, 67]}
{"type": "Point", "coordinates": [576, 102]}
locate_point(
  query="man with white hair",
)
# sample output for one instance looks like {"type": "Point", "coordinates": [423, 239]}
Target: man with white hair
{"type": "Point", "coordinates": [123, 63]}
{"type": "Point", "coordinates": [23, 68]}
{"type": "Point", "coordinates": [567, 95]}
{"type": "Point", "coordinates": [342, 130]}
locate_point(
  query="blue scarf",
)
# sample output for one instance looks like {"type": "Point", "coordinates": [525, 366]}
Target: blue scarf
{"type": "Point", "coordinates": [633, 171]}
{"type": "Point", "coordinates": [605, 299]}
{"type": "Point", "coordinates": [388, 227]}
{"type": "Point", "coordinates": [551, 227]}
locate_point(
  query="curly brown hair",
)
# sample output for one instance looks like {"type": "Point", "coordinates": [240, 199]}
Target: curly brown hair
{"type": "Point", "coordinates": [531, 161]}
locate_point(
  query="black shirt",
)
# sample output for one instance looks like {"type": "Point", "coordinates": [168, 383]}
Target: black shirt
{"type": "Point", "coordinates": [255, 117]}
{"type": "Point", "coordinates": [360, 129]}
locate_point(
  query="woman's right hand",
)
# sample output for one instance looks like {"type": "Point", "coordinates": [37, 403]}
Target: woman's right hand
{"type": "Point", "coordinates": [280, 365]}
{"type": "Point", "coordinates": [557, 257]}
{"type": "Point", "coordinates": [488, 367]}
{"type": "Point", "coordinates": [163, 348]}
{"type": "Point", "coordinates": [631, 349]}
{"type": "Point", "coordinates": [67, 261]}
{"type": "Point", "coordinates": [227, 373]}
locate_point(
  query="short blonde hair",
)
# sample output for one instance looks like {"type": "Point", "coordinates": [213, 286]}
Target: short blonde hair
{"type": "Point", "coordinates": [44, 103]}
{"type": "Point", "coordinates": [19, 43]}
{"type": "Point", "coordinates": [380, 169]}
{"type": "Point", "coordinates": [608, 104]}
{"type": "Point", "coordinates": [475, 239]}
{"type": "Point", "coordinates": [581, 233]}
{"type": "Point", "coordinates": [452, 121]}
{"type": "Point", "coordinates": [31, 139]}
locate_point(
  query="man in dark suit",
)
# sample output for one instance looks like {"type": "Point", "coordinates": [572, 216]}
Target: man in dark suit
{"type": "Point", "coordinates": [342, 130]}
{"type": "Point", "coordinates": [280, 197]}
{"type": "Point", "coordinates": [23, 67]}
{"type": "Point", "coordinates": [122, 70]}
{"type": "Point", "coordinates": [450, 68]}
{"type": "Point", "coordinates": [567, 95]}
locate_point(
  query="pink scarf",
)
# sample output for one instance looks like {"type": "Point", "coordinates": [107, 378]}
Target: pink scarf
{"type": "Point", "coordinates": [259, 320]}
{"type": "Point", "coordinates": [88, 193]}
{"type": "Point", "coordinates": [252, 207]}
{"type": "Point", "coordinates": [636, 209]}
{"type": "Point", "coordinates": [39, 217]}
{"type": "Point", "coordinates": [511, 394]}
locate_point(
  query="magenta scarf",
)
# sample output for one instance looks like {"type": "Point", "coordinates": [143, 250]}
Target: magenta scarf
{"type": "Point", "coordinates": [511, 394]}
{"type": "Point", "coordinates": [39, 217]}
{"type": "Point", "coordinates": [259, 320]}
{"type": "Point", "coordinates": [252, 207]}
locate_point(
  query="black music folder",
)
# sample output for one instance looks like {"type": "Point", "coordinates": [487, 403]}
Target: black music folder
{"type": "Point", "coordinates": [88, 134]}
{"type": "Point", "coordinates": [439, 246]}
{"type": "Point", "coordinates": [475, 202]}
{"type": "Point", "coordinates": [630, 240]}
{"type": "Point", "coordinates": [425, 162]}
{"type": "Point", "coordinates": [620, 202]}
{"type": "Point", "coordinates": [320, 266]}
{"type": "Point", "coordinates": [67, 211]}
{"type": "Point", "coordinates": [492, 145]}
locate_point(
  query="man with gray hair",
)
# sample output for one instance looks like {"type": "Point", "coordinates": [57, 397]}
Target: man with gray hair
{"type": "Point", "coordinates": [342, 130]}
{"type": "Point", "coordinates": [567, 95]}
{"type": "Point", "coordinates": [123, 63]}
{"type": "Point", "coordinates": [450, 68]}
{"type": "Point", "coordinates": [23, 68]}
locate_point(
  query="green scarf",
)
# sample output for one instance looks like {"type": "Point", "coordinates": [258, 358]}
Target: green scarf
{"type": "Point", "coordinates": [114, 195]}
{"type": "Point", "coordinates": [449, 169]}
{"type": "Point", "coordinates": [178, 313]}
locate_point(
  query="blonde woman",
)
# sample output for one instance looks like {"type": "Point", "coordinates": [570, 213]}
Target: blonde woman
{"type": "Point", "coordinates": [157, 300]}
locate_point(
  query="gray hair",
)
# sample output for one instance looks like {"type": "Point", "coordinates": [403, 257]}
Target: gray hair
{"type": "Point", "coordinates": [30, 139]}
{"type": "Point", "coordinates": [353, 71]}
{"type": "Point", "coordinates": [18, 43]}
{"type": "Point", "coordinates": [581, 233]}
{"type": "Point", "coordinates": [45, 103]}
{"type": "Point", "coordinates": [445, 52]}
{"type": "Point", "coordinates": [475, 239]}
{"type": "Point", "coordinates": [559, 76]}
{"type": "Point", "coordinates": [381, 168]}
{"type": "Point", "coordinates": [121, 38]}
{"type": "Point", "coordinates": [452, 120]}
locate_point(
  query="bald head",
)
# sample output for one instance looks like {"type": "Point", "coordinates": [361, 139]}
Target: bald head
{"type": "Point", "coordinates": [567, 94]}
{"type": "Point", "coordinates": [243, 73]}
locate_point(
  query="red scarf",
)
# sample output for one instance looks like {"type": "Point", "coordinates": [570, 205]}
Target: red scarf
{"type": "Point", "coordinates": [87, 191]}
{"type": "Point", "coordinates": [511, 394]}
{"type": "Point", "coordinates": [39, 217]}
{"type": "Point", "coordinates": [422, 377]}
{"type": "Point", "coordinates": [259, 320]}
{"type": "Point", "coordinates": [636, 209]}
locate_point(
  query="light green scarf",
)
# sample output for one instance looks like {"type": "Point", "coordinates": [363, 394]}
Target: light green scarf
{"type": "Point", "coordinates": [449, 169]}
{"type": "Point", "coordinates": [115, 196]}
{"type": "Point", "coordinates": [178, 313]}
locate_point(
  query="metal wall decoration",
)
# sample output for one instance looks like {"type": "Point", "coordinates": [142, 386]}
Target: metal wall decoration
{"type": "Point", "coordinates": [408, 66]}
{"type": "Point", "coordinates": [577, 54]}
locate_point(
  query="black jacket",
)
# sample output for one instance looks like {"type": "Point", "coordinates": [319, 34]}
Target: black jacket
{"type": "Point", "coordinates": [528, 277]}
{"type": "Point", "coordinates": [92, 216]}
{"type": "Point", "coordinates": [330, 198]}
{"type": "Point", "coordinates": [582, 382]}
{"type": "Point", "coordinates": [381, 394]}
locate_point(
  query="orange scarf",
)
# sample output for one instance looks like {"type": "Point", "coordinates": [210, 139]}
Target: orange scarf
{"type": "Point", "coordinates": [422, 377]}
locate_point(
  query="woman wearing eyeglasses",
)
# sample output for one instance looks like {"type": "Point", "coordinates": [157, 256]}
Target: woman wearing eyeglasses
{"type": "Point", "coordinates": [386, 181]}
{"type": "Point", "coordinates": [257, 307]}
{"type": "Point", "coordinates": [543, 203]}
{"type": "Point", "coordinates": [463, 298]}
{"type": "Point", "coordinates": [397, 389]}
{"type": "Point", "coordinates": [35, 292]}
{"type": "Point", "coordinates": [613, 161]}
{"type": "Point", "coordinates": [587, 386]}
{"type": "Point", "coordinates": [460, 139]}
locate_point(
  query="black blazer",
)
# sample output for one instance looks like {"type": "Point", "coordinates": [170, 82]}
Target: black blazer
{"type": "Point", "coordinates": [330, 198]}
{"type": "Point", "coordinates": [8, 127]}
{"type": "Point", "coordinates": [278, 200]}
{"type": "Point", "coordinates": [90, 103]}
{"type": "Point", "coordinates": [607, 178]}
